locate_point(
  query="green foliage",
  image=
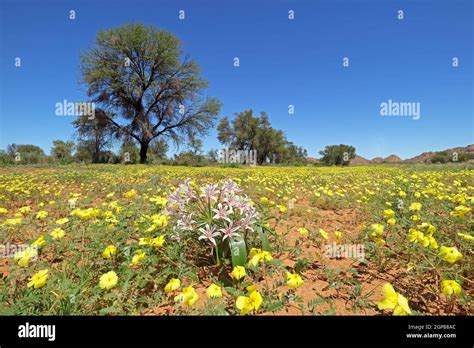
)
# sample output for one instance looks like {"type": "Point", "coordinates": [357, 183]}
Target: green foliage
{"type": "Point", "coordinates": [337, 155]}
{"type": "Point", "coordinates": [26, 154]}
{"type": "Point", "coordinates": [5, 159]}
{"type": "Point", "coordinates": [157, 152]}
{"type": "Point", "coordinates": [136, 72]}
{"type": "Point", "coordinates": [62, 151]}
{"type": "Point", "coordinates": [238, 251]}
{"type": "Point", "coordinates": [446, 157]}
{"type": "Point", "coordinates": [189, 159]}
{"type": "Point", "coordinates": [246, 132]}
{"type": "Point", "coordinates": [95, 137]}
{"type": "Point", "coordinates": [440, 157]}
{"type": "Point", "coordinates": [129, 153]}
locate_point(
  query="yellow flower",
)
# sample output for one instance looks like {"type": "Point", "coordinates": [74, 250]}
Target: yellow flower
{"type": "Point", "coordinates": [3, 211]}
{"type": "Point", "coordinates": [246, 304]}
{"type": "Point", "coordinates": [257, 256]}
{"type": "Point", "coordinates": [158, 241]}
{"type": "Point", "coordinates": [323, 233]}
{"type": "Point", "coordinates": [282, 208]}
{"type": "Point", "coordinates": [414, 217]}
{"type": "Point", "coordinates": [450, 287]}
{"type": "Point", "coordinates": [130, 194]}
{"type": "Point", "coordinates": [144, 241]}
{"type": "Point", "coordinates": [450, 254]}
{"type": "Point", "coordinates": [303, 231]}
{"type": "Point", "coordinates": [160, 220]}
{"type": "Point", "coordinates": [433, 243]}
{"type": "Point", "coordinates": [24, 256]}
{"type": "Point", "coordinates": [415, 207]}
{"type": "Point", "coordinates": [425, 241]}
{"type": "Point", "coordinates": [138, 257]}
{"type": "Point", "coordinates": [161, 201]}
{"type": "Point", "coordinates": [62, 221]}
{"type": "Point", "coordinates": [338, 236]}
{"type": "Point", "coordinates": [394, 300]}
{"type": "Point", "coordinates": [238, 272]}
{"type": "Point", "coordinates": [264, 199]}
{"type": "Point", "coordinates": [388, 213]}
{"type": "Point", "coordinates": [251, 288]}
{"type": "Point", "coordinates": [41, 215]}
{"type": "Point", "coordinates": [379, 241]}
{"type": "Point", "coordinates": [377, 230]}
{"type": "Point", "coordinates": [108, 280]}
{"type": "Point", "coordinates": [413, 235]}
{"type": "Point", "coordinates": [294, 280]}
{"type": "Point", "coordinates": [410, 266]}
{"type": "Point", "coordinates": [13, 222]}
{"type": "Point", "coordinates": [460, 211]}
{"type": "Point", "coordinates": [188, 296]}
{"type": "Point", "coordinates": [85, 214]}
{"type": "Point", "coordinates": [109, 251]}
{"type": "Point", "coordinates": [172, 285]}
{"type": "Point", "coordinates": [214, 291]}
{"type": "Point", "coordinates": [391, 221]}
{"type": "Point", "coordinates": [465, 236]}
{"type": "Point", "coordinates": [39, 242]}
{"type": "Point", "coordinates": [57, 233]}
{"type": "Point", "coordinates": [25, 209]}
{"type": "Point", "coordinates": [38, 279]}
{"type": "Point", "coordinates": [430, 229]}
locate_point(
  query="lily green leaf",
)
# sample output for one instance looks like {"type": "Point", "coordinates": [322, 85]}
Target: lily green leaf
{"type": "Point", "coordinates": [263, 238]}
{"type": "Point", "coordinates": [238, 252]}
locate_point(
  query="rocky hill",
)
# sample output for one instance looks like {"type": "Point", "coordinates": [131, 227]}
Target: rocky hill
{"type": "Point", "coordinates": [359, 161]}
{"type": "Point", "coordinates": [427, 156]}
{"type": "Point", "coordinates": [424, 157]}
{"type": "Point", "coordinates": [392, 159]}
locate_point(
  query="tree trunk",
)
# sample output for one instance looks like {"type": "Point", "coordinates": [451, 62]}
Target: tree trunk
{"type": "Point", "coordinates": [143, 152]}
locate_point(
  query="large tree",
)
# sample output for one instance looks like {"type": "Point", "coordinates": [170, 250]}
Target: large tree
{"type": "Point", "coordinates": [337, 154]}
{"type": "Point", "coordinates": [95, 134]}
{"type": "Point", "coordinates": [158, 150]}
{"type": "Point", "coordinates": [136, 73]}
{"type": "Point", "coordinates": [62, 150]}
{"type": "Point", "coordinates": [249, 132]}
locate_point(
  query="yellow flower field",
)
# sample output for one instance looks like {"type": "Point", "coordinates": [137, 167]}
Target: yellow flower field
{"type": "Point", "coordinates": [154, 240]}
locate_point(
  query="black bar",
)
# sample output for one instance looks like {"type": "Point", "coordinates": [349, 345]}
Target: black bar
{"type": "Point", "coordinates": [291, 331]}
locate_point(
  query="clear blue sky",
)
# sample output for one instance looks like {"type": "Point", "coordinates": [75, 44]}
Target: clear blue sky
{"type": "Point", "coordinates": [282, 61]}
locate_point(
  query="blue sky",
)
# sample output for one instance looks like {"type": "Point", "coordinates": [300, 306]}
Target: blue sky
{"type": "Point", "coordinates": [282, 62]}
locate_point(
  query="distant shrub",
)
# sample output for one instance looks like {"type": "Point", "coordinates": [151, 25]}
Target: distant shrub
{"type": "Point", "coordinates": [189, 159]}
{"type": "Point", "coordinates": [440, 157]}
{"type": "Point", "coordinates": [445, 157]}
{"type": "Point", "coordinates": [26, 154]}
{"type": "Point", "coordinates": [5, 159]}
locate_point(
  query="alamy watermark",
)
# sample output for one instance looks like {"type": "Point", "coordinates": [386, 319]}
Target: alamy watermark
{"type": "Point", "coordinates": [405, 109]}
{"type": "Point", "coordinates": [351, 251]}
{"type": "Point", "coordinates": [9, 250]}
{"type": "Point", "coordinates": [249, 157]}
{"type": "Point", "coordinates": [37, 331]}
{"type": "Point", "coordinates": [237, 156]}
{"type": "Point", "coordinates": [66, 108]}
